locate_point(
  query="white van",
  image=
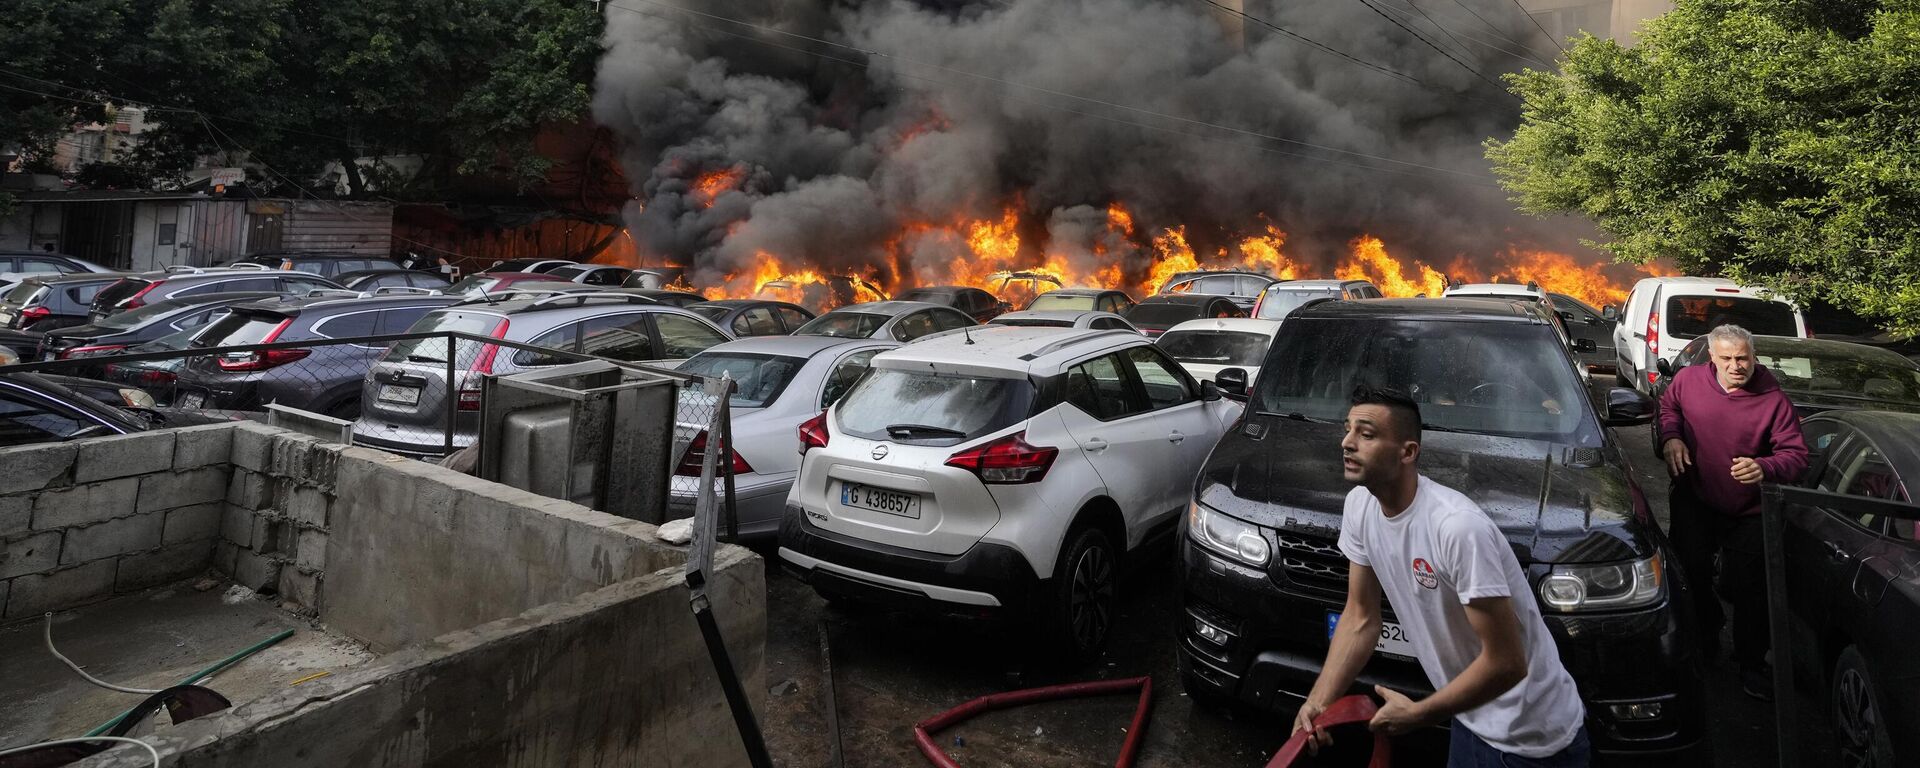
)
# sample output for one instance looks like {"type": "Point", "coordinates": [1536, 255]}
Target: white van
{"type": "Point", "coordinates": [1663, 313]}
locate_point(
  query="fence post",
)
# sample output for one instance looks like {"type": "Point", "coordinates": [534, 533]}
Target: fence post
{"type": "Point", "coordinates": [1773, 531]}
{"type": "Point", "coordinates": [453, 393]}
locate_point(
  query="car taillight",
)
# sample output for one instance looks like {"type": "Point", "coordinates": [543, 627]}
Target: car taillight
{"type": "Point", "coordinates": [469, 399]}
{"type": "Point", "coordinates": [1008, 460]}
{"type": "Point", "coordinates": [90, 351]}
{"type": "Point", "coordinates": [139, 299]}
{"type": "Point", "coordinates": [697, 452]}
{"type": "Point", "coordinates": [262, 360]}
{"type": "Point", "coordinates": [813, 433]}
{"type": "Point", "coordinates": [1653, 334]}
{"type": "Point", "coordinates": [29, 315]}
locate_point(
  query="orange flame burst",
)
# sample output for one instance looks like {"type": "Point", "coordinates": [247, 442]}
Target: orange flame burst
{"type": "Point", "coordinates": [1369, 261]}
{"type": "Point", "coordinates": [708, 186]}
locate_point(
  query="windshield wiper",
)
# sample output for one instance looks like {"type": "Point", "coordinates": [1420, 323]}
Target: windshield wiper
{"type": "Point", "coordinates": [1438, 428]}
{"type": "Point", "coordinates": [1296, 416]}
{"type": "Point", "coordinates": [423, 359]}
{"type": "Point", "coordinates": [923, 430]}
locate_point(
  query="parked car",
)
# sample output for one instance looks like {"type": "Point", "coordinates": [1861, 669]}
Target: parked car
{"type": "Point", "coordinates": [20, 265]}
{"type": "Point", "coordinates": [1012, 472]}
{"type": "Point", "coordinates": [324, 378]}
{"type": "Point", "coordinates": [327, 264]}
{"type": "Point", "coordinates": [485, 283]}
{"type": "Point", "coordinates": [1243, 288]}
{"type": "Point", "coordinates": [18, 345]}
{"type": "Point", "coordinates": [1585, 322]}
{"type": "Point", "coordinates": [780, 382]}
{"type": "Point", "coordinates": [753, 317]}
{"type": "Point", "coordinates": [138, 326]}
{"type": "Point", "coordinates": [590, 274]}
{"type": "Point", "coordinates": [530, 265]}
{"type": "Point", "coordinates": [1019, 288]}
{"type": "Point", "coordinates": [831, 292]}
{"type": "Point", "coordinates": [1853, 584]}
{"type": "Point", "coordinates": [395, 277]}
{"type": "Point", "coordinates": [1819, 375]}
{"type": "Point", "coordinates": [49, 303]}
{"type": "Point", "coordinates": [1510, 425]}
{"type": "Point", "coordinates": [1516, 291]}
{"type": "Point", "coordinates": [1280, 299]}
{"type": "Point", "coordinates": [1065, 318]}
{"type": "Point", "coordinates": [37, 408]}
{"type": "Point", "coordinates": [1207, 347]}
{"type": "Point", "coordinates": [975, 303]}
{"type": "Point", "coordinates": [156, 377]}
{"type": "Point", "coordinates": [897, 320]}
{"type": "Point", "coordinates": [404, 398]}
{"type": "Point", "coordinates": [1083, 299]}
{"type": "Point", "coordinates": [655, 278]}
{"type": "Point", "coordinates": [1155, 314]}
{"type": "Point", "coordinates": [1663, 313]}
{"type": "Point", "coordinates": [135, 291]}
{"type": "Point", "coordinates": [671, 298]}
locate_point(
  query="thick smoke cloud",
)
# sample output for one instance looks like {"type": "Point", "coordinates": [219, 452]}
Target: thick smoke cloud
{"type": "Point", "coordinates": [837, 159]}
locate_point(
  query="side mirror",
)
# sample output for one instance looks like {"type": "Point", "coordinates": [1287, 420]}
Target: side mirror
{"type": "Point", "coordinates": [1585, 345]}
{"type": "Point", "coordinates": [1232, 382]}
{"type": "Point", "coordinates": [1210, 391]}
{"type": "Point", "coordinates": [1664, 366]}
{"type": "Point", "coordinates": [1628, 407]}
{"type": "Point", "coordinates": [1611, 312]}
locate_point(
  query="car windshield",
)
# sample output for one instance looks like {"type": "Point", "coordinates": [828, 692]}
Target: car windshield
{"type": "Point", "coordinates": [1866, 373]}
{"type": "Point", "coordinates": [1031, 322]}
{"type": "Point", "coordinates": [134, 318]}
{"type": "Point", "coordinates": [1062, 301]}
{"type": "Point", "coordinates": [1215, 347]}
{"type": "Point", "coordinates": [1690, 316]}
{"type": "Point", "coordinates": [844, 325]}
{"type": "Point", "coordinates": [1278, 303]}
{"type": "Point", "coordinates": [23, 293]}
{"type": "Point", "coordinates": [932, 408]}
{"type": "Point", "coordinates": [930, 296]}
{"type": "Point", "coordinates": [1511, 379]}
{"type": "Point", "coordinates": [473, 285]}
{"type": "Point", "coordinates": [758, 379]}
{"type": "Point", "coordinates": [1162, 314]}
{"type": "Point", "coordinates": [567, 272]}
{"type": "Point", "coordinates": [435, 350]}
{"type": "Point", "coordinates": [114, 294]}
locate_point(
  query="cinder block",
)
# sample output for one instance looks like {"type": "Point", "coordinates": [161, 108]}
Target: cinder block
{"type": "Point", "coordinates": [168, 490]}
{"type": "Point", "coordinates": [308, 506]}
{"type": "Point", "coordinates": [255, 571]}
{"type": "Point", "coordinates": [112, 538]}
{"type": "Point", "coordinates": [300, 587]}
{"type": "Point", "coordinates": [196, 523]}
{"type": "Point", "coordinates": [249, 489]}
{"type": "Point", "coordinates": [33, 467]}
{"type": "Point", "coordinates": [236, 525]}
{"type": "Point", "coordinates": [224, 555]}
{"type": "Point", "coordinates": [310, 549]}
{"type": "Point", "coordinates": [16, 513]}
{"type": "Point", "coordinates": [252, 446]}
{"type": "Point", "coordinates": [292, 455]}
{"type": "Point", "coordinates": [146, 569]}
{"type": "Point", "coordinates": [271, 535]}
{"type": "Point", "coordinates": [85, 504]}
{"type": "Point", "coordinates": [196, 447]}
{"type": "Point", "coordinates": [106, 458]}
{"type": "Point", "coordinates": [29, 554]}
{"type": "Point", "coordinates": [323, 467]}
{"type": "Point", "coordinates": [67, 587]}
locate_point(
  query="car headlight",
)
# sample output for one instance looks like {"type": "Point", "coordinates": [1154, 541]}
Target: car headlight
{"type": "Point", "coordinates": [1227, 535]}
{"type": "Point", "coordinates": [135, 398]}
{"type": "Point", "coordinates": [1634, 584]}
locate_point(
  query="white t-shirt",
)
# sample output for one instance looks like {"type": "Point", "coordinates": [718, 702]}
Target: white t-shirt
{"type": "Point", "coordinates": [1433, 558]}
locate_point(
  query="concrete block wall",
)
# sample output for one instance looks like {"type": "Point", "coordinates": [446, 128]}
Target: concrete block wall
{"type": "Point", "coordinates": [276, 513]}
{"type": "Point", "coordinates": [88, 520]}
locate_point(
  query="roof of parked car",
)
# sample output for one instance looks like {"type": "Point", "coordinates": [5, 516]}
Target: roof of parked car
{"type": "Point", "coordinates": [889, 307]}
{"type": "Point", "coordinates": [1082, 291]}
{"type": "Point", "coordinates": [732, 303]}
{"type": "Point", "coordinates": [250, 269]}
{"type": "Point", "coordinates": [1007, 349]}
{"type": "Point", "coordinates": [1315, 284]}
{"type": "Point", "coordinates": [794, 346]}
{"type": "Point", "coordinates": [1463, 308]}
{"type": "Point", "coordinates": [76, 277]}
{"type": "Point", "coordinates": [1183, 298]}
{"type": "Point", "coordinates": [339, 298]}
{"type": "Point", "coordinates": [1828, 348]}
{"type": "Point", "coordinates": [1066, 315]}
{"type": "Point", "coordinates": [1497, 289]}
{"type": "Point", "coordinates": [1239, 324]}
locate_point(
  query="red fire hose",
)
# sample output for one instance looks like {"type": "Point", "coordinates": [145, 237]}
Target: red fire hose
{"type": "Point", "coordinates": [1346, 711]}
{"type": "Point", "coordinates": [923, 733]}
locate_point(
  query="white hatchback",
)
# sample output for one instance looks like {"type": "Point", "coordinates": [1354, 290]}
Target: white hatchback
{"type": "Point", "coordinates": [1004, 471]}
{"type": "Point", "coordinates": [1207, 347]}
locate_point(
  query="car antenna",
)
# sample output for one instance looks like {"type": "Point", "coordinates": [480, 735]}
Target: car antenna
{"type": "Point", "coordinates": [967, 331]}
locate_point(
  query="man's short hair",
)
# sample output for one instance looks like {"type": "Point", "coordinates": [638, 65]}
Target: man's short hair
{"type": "Point", "coordinates": [1402, 411]}
{"type": "Point", "coordinates": [1730, 332]}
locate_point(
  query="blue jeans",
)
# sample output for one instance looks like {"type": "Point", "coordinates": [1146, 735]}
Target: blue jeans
{"type": "Point", "coordinates": [1469, 751]}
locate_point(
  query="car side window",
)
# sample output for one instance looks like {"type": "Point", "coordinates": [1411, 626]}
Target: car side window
{"type": "Point", "coordinates": [399, 319]}
{"type": "Point", "coordinates": [566, 338]}
{"type": "Point", "coordinates": [793, 318]}
{"type": "Point", "coordinates": [914, 326]}
{"type": "Point", "coordinates": [1109, 304]}
{"type": "Point", "coordinates": [1107, 324]}
{"type": "Point", "coordinates": [46, 265]}
{"type": "Point", "coordinates": [758, 321]}
{"type": "Point", "coordinates": [619, 337]}
{"type": "Point", "coordinates": [950, 319]}
{"type": "Point", "coordinates": [25, 420]}
{"type": "Point", "coordinates": [682, 336]}
{"type": "Point", "coordinates": [291, 285]}
{"type": "Point", "coordinates": [845, 373]}
{"type": "Point", "coordinates": [1165, 386]}
{"type": "Point", "coordinates": [1100, 387]}
{"type": "Point", "coordinates": [348, 325]}
{"type": "Point", "coordinates": [1183, 286]}
{"type": "Point", "coordinates": [1251, 286]}
{"type": "Point", "coordinates": [84, 294]}
{"type": "Point", "coordinates": [195, 319]}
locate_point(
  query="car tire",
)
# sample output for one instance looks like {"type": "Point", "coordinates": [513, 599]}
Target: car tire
{"type": "Point", "coordinates": [1086, 582]}
{"type": "Point", "coordinates": [345, 410]}
{"type": "Point", "coordinates": [1859, 718]}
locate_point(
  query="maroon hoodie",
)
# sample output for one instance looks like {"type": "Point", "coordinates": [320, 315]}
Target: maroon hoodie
{"type": "Point", "coordinates": [1755, 421]}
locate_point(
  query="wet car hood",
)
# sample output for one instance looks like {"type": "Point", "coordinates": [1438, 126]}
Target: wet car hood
{"type": "Point", "coordinates": [1580, 508]}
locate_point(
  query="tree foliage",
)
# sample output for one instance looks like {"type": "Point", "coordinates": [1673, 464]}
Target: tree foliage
{"type": "Point", "coordinates": [465, 85]}
{"type": "Point", "coordinates": [1775, 142]}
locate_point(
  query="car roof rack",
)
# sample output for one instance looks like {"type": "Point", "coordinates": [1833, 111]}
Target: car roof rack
{"type": "Point", "coordinates": [337, 293]}
{"type": "Point", "coordinates": [393, 290]}
{"type": "Point", "coordinates": [1055, 346]}
{"type": "Point", "coordinates": [582, 298]}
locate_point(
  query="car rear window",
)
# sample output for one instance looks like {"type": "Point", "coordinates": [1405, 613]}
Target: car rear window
{"type": "Point", "coordinates": [1057, 301]}
{"type": "Point", "coordinates": [925, 408]}
{"type": "Point", "coordinates": [1278, 303]}
{"type": "Point", "coordinates": [1031, 322]}
{"type": "Point", "coordinates": [1864, 374]}
{"type": "Point", "coordinates": [120, 291]}
{"type": "Point", "coordinates": [23, 294]}
{"type": "Point", "coordinates": [473, 284]}
{"type": "Point", "coordinates": [1215, 347]}
{"type": "Point", "coordinates": [713, 313]}
{"type": "Point", "coordinates": [237, 328]}
{"type": "Point", "coordinates": [435, 350]}
{"type": "Point", "coordinates": [758, 379]}
{"type": "Point", "coordinates": [137, 317]}
{"type": "Point", "coordinates": [567, 273]}
{"type": "Point", "coordinates": [1162, 314]}
{"type": "Point", "coordinates": [1690, 316]}
{"type": "Point", "coordinates": [843, 325]}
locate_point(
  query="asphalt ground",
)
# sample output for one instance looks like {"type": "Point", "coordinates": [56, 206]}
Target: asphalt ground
{"type": "Point", "coordinates": [891, 670]}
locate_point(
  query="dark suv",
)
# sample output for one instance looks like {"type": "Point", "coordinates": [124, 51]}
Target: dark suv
{"type": "Point", "coordinates": [47, 303]}
{"type": "Point", "coordinates": [139, 326]}
{"type": "Point", "coordinates": [1509, 424]}
{"type": "Point", "coordinates": [134, 291]}
{"type": "Point", "coordinates": [323, 379]}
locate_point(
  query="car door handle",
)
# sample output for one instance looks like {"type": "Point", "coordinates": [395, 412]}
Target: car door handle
{"type": "Point", "coordinates": [1175, 437]}
{"type": "Point", "coordinates": [1837, 552]}
{"type": "Point", "coordinates": [1094, 445]}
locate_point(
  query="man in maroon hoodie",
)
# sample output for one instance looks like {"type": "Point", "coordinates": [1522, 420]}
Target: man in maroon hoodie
{"type": "Point", "coordinates": [1724, 428]}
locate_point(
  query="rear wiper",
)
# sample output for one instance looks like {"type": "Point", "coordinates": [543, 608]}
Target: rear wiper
{"type": "Point", "coordinates": [924, 430]}
{"type": "Point", "coordinates": [423, 359]}
{"type": "Point", "coordinates": [1296, 416]}
{"type": "Point", "coordinates": [1438, 428]}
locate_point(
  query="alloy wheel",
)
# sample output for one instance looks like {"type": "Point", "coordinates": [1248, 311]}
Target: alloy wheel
{"type": "Point", "coordinates": [1856, 720]}
{"type": "Point", "coordinates": [1090, 604]}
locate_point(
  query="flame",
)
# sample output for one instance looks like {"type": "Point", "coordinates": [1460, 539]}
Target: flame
{"type": "Point", "coordinates": [1369, 261]}
{"type": "Point", "coordinates": [708, 186]}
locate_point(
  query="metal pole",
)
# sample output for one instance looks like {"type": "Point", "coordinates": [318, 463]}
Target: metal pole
{"type": "Point", "coordinates": [1773, 523]}
{"type": "Point", "coordinates": [453, 394]}
{"type": "Point", "coordinates": [725, 423]}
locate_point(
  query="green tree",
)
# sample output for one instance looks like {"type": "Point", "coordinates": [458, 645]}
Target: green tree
{"type": "Point", "coordinates": [1775, 142]}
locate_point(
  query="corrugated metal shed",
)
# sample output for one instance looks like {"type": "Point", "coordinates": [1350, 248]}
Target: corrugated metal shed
{"type": "Point", "coordinates": [339, 226]}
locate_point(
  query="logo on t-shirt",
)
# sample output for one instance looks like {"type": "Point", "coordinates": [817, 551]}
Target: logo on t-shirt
{"type": "Point", "coordinates": [1423, 573]}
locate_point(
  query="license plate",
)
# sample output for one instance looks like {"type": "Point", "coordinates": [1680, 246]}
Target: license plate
{"type": "Point", "coordinates": [192, 400]}
{"type": "Point", "coordinates": [390, 393]}
{"type": "Point", "coordinates": [880, 500]}
{"type": "Point", "coordinates": [1393, 639]}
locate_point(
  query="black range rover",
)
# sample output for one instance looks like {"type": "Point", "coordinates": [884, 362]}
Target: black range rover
{"type": "Point", "coordinates": [1509, 424]}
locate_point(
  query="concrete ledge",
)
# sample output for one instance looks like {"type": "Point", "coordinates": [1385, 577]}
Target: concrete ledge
{"type": "Point", "coordinates": [36, 467]}
{"type": "Point", "coordinates": [105, 458]}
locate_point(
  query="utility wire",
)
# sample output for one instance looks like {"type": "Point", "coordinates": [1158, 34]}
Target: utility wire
{"type": "Point", "coordinates": [1497, 32]}
{"type": "Point", "coordinates": [1317, 44]}
{"type": "Point", "coordinates": [1536, 25]}
{"type": "Point", "coordinates": [1524, 54]}
{"type": "Point", "coordinates": [1437, 49]}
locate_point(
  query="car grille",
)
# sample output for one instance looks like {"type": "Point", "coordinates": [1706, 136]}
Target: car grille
{"type": "Point", "coordinates": [1312, 561]}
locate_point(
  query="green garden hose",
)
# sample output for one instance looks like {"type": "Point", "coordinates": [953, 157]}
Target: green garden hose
{"type": "Point", "coordinates": [203, 674]}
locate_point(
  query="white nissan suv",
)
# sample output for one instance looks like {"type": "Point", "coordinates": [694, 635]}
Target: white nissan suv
{"type": "Point", "coordinates": [1002, 472]}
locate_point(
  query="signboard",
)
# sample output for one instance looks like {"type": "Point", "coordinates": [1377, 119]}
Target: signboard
{"type": "Point", "coordinates": [226, 177]}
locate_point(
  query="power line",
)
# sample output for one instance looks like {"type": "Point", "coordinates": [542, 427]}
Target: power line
{"type": "Point", "coordinates": [1437, 49]}
{"type": "Point", "coordinates": [1525, 54]}
{"type": "Point", "coordinates": [1497, 32]}
{"type": "Point", "coordinates": [1015, 84]}
{"type": "Point", "coordinates": [1317, 44]}
{"type": "Point", "coordinates": [1536, 25]}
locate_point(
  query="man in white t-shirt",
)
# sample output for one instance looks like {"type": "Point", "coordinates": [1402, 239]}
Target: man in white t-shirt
{"type": "Point", "coordinates": [1459, 595]}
